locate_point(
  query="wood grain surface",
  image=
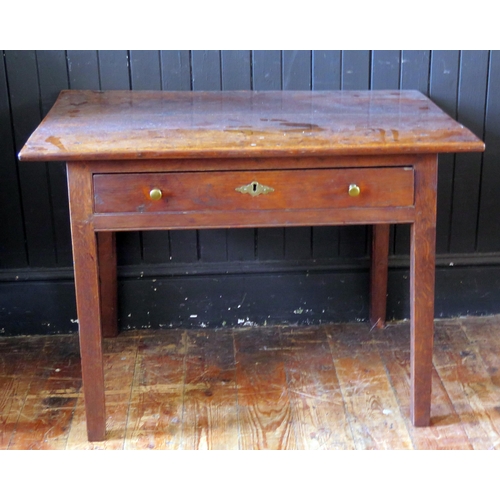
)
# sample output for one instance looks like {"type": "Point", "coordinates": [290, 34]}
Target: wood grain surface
{"type": "Point", "coordinates": [151, 124]}
{"type": "Point", "coordinates": [216, 191]}
{"type": "Point", "coordinates": [88, 288]}
{"type": "Point", "coordinates": [265, 413]}
{"type": "Point", "coordinates": [378, 273]}
{"type": "Point", "coordinates": [210, 400]}
{"type": "Point", "coordinates": [422, 284]}
{"type": "Point", "coordinates": [341, 387]}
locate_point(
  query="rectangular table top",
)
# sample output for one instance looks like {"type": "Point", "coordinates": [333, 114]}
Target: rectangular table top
{"type": "Point", "coordinates": [121, 125]}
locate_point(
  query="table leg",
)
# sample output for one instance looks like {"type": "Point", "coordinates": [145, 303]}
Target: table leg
{"type": "Point", "coordinates": [106, 248]}
{"type": "Point", "coordinates": [378, 274]}
{"type": "Point", "coordinates": [85, 259]}
{"type": "Point", "coordinates": [422, 276]}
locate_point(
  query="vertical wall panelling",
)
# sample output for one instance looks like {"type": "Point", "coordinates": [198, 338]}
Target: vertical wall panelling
{"type": "Point", "coordinates": [114, 69]}
{"type": "Point", "coordinates": [176, 69]}
{"type": "Point", "coordinates": [443, 90]}
{"type": "Point", "coordinates": [385, 69]}
{"type": "Point", "coordinates": [488, 237]}
{"type": "Point", "coordinates": [296, 69]}
{"type": "Point", "coordinates": [53, 77]}
{"type": "Point", "coordinates": [270, 244]}
{"type": "Point", "coordinates": [34, 180]}
{"type": "Point", "coordinates": [415, 70]}
{"type": "Point", "coordinates": [12, 241]}
{"type": "Point", "coordinates": [206, 70]}
{"type": "Point", "coordinates": [236, 70]}
{"type": "Point", "coordinates": [83, 69]}
{"type": "Point", "coordinates": [355, 76]}
{"type": "Point", "coordinates": [266, 69]}
{"type": "Point", "coordinates": [326, 66]}
{"type": "Point", "coordinates": [467, 176]}
{"type": "Point", "coordinates": [326, 74]}
{"type": "Point", "coordinates": [145, 71]}
{"type": "Point", "coordinates": [241, 244]}
{"type": "Point", "coordinates": [355, 70]}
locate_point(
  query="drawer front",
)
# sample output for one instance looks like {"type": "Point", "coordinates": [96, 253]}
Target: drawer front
{"type": "Point", "coordinates": [254, 190]}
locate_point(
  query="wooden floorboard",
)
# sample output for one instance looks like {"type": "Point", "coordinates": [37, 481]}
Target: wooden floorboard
{"type": "Point", "coordinates": [318, 409]}
{"type": "Point", "coordinates": [210, 402]}
{"type": "Point", "coordinates": [264, 408]}
{"type": "Point", "coordinates": [329, 387]}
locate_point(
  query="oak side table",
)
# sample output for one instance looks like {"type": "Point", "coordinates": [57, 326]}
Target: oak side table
{"type": "Point", "coordinates": [140, 160]}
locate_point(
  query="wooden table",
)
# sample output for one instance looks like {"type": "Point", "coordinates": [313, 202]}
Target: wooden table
{"type": "Point", "coordinates": [172, 160]}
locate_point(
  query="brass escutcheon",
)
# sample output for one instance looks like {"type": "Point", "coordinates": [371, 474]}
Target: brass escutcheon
{"type": "Point", "coordinates": [254, 189]}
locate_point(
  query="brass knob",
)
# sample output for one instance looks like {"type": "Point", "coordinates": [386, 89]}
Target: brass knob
{"type": "Point", "coordinates": [155, 194]}
{"type": "Point", "coordinates": [354, 190]}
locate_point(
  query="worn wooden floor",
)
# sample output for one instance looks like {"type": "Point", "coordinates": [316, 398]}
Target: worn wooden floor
{"type": "Point", "coordinates": [329, 387]}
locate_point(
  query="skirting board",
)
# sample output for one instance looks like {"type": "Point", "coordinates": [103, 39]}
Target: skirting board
{"type": "Point", "coordinates": [47, 306]}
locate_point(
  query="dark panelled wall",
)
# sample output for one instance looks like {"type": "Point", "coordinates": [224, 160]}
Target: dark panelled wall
{"type": "Point", "coordinates": [248, 276]}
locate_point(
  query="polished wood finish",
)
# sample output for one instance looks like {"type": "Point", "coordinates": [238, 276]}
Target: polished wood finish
{"type": "Point", "coordinates": [88, 302]}
{"type": "Point", "coordinates": [178, 220]}
{"type": "Point", "coordinates": [106, 251]}
{"type": "Point", "coordinates": [309, 148]}
{"type": "Point", "coordinates": [378, 274]}
{"type": "Point", "coordinates": [217, 191]}
{"type": "Point", "coordinates": [422, 264]}
{"type": "Point", "coordinates": [147, 124]}
{"type": "Point", "coordinates": [177, 389]}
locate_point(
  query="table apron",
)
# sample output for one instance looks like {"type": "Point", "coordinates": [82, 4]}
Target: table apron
{"type": "Point", "coordinates": [245, 219]}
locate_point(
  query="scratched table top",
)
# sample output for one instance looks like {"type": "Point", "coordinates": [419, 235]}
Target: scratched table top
{"type": "Point", "coordinates": [120, 125]}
